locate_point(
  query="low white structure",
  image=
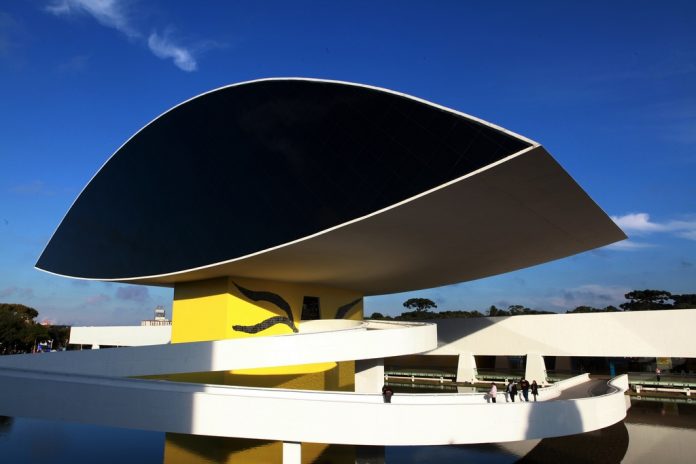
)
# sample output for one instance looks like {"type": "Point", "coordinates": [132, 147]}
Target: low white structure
{"type": "Point", "coordinates": [626, 333]}
{"type": "Point", "coordinates": [665, 333]}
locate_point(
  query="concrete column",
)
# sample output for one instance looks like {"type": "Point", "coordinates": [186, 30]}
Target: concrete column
{"type": "Point", "coordinates": [536, 368]}
{"type": "Point", "coordinates": [466, 367]}
{"type": "Point", "coordinates": [292, 452]}
{"type": "Point", "coordinates": [369, 375]}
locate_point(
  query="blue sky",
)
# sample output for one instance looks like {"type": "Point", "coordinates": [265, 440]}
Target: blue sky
{"type": "Point", "coordinates": [609, 88]}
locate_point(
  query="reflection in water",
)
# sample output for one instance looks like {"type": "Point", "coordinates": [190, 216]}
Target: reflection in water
{"type": "Point", "coordinates": [605, 446]}
{"type": "Point", "coordinates": [191, 449]}
{"type": "Point", "coordinates": [652, 433]}
{"type": "Point", "coordinates": [5, 425]}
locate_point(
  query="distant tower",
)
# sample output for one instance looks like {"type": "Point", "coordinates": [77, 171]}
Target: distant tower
{"type": "Point", "coordinates": [160, 314]}
{"type": "Point", "coordinates": [159, 319]}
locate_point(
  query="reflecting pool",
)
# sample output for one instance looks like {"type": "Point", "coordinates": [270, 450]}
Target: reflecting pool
{"type": "Point", "coordinates": [653, 432]}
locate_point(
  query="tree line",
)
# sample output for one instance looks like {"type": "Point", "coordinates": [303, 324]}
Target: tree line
{"type": "Point", "coordinates": [638, 300]}
{"type": "Point", "coordinates": [20, 333]}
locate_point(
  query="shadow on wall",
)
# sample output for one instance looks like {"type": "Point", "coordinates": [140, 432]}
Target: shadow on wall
{"type": "Point", "coordinates": [451, 330]}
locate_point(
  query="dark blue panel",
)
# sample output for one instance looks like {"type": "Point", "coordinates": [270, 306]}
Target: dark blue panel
{"type": "Point", "coordinates": [248, 167]}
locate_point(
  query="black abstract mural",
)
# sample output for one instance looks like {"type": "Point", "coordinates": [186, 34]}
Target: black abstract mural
{"type": "Point", "coordinates": [343, 311]}
{"type": "Point", "coordinates": [273, 298]}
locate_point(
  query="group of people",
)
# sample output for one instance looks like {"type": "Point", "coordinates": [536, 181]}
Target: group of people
{"type": "Point", "coordinates": [512, 389]}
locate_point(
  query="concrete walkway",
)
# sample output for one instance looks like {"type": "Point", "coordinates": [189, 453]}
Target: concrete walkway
{"type": "Point", "coordinates": [584, 390]}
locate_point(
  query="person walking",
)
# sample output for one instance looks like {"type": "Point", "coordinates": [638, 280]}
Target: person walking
{"type": "Point", "coordinates": [525, 389]}
{"type": "Point", "coordinates": [658, 372]}
{"type": "Point", "coordinates": [512, 390]}
{"type": "Point", "coordinates": [387, 393]}
{"type": "Point", "coordinates": [535, 389]}
{"type": "Point", "coordinates": [493, 392]}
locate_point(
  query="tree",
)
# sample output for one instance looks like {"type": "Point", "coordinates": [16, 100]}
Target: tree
{"type": "Point", "coordinates": [493, 311]}
{"type": "Point", "coordinates": [583, 309]}
{"type": "Point", "coordinates": [516, 310]}
{"type": "Point", "coordinates": [419, 304]}
{"type": "Point", "coordinates": [645, 300]}
{"type": "Point", "coordinates": [18, 330]}
{"type": "Point", "coordinates": [685, 301]}
{"type": "Point", "coordinates": [590, 309]}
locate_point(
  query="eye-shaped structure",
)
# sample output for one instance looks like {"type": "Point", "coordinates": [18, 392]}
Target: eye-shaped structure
{"type": "Point", "coordinates": [323, 182]}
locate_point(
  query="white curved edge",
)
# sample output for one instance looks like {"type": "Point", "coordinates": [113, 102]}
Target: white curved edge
{"type": "Point", "coordinates": [138, 335]}
{"type": "Point", "coordinates": [532, 146]}
{"type": "Point", "coordinates": [291, 415]}
{"type": "Point", "coordinates": [360, 342]}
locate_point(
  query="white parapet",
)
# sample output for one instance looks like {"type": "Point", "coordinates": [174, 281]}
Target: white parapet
{"type": "Point", "coordinates": [136, 335]}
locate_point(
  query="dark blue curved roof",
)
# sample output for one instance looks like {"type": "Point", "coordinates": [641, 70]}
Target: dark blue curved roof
{"type": "Point", "coordinates": [248, 167]}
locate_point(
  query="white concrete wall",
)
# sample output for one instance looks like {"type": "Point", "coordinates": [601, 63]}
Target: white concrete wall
{"type": "Point", "coordinates": [638, 333]}
{"type": "Point", "coordinates": [121, 335]}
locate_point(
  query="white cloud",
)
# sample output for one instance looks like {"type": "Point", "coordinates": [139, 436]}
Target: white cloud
{"type": "Point", "coordinates": [629, 245]}
{"type": "Point", "coordinates": [688, 234]}
{"type": "Point", "coordinates": [109, 13]}
{"type": "Point", "coordinates": [163, 48]}
{"type": "Point", "coordinates": [113, 14]}
{"type": "Point", "coordinates": [640, 224]}
{"type": "Point", "coordinates": [598, 296]}
{"type": "Point", "coordinates": [97, 299]}
{"type": "Point", "coordinates": [36, 187]}
{"type": "Point", "coordinates": [637, 222]}
{"type": "Point", "coordinates": [16, 292]}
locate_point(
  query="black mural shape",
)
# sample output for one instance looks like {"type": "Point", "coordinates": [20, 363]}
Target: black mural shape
{"type": "Point", "coordinates": [343, 310]}
{"type": "Point", "coordinates": [263, 325]}
{"type": "Point", "coordinates": [270, 322]}
{"type": "Point", "coordinates": [267, 296]}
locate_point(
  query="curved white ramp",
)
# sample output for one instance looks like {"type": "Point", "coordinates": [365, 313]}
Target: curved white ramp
{"type": "Point", "coordinates": [366, 341]}
{"type": "Point", "coordinates": [57, 386]}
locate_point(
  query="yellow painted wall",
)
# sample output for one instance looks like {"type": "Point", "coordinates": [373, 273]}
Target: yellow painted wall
{"type": "Point", "coordinates": [209, 310]}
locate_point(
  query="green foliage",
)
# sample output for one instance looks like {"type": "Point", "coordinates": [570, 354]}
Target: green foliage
{"type": "Point", "coordinates": [18, 330]}
{"type": "Point", "coordinates": [514, 310]}
{"type": "Point", "coordinates": [640, 300]}
{"type": "Point", "coordinates": [493, 311]}
{"type": "Point", "coordinates": [419, 304]}
{"type": "Point", "coordinates": [644, 300]}
{"type": "Point", "coordinates": [590, 309]}
{"type": "Point", "coordinates": [685, 301]}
